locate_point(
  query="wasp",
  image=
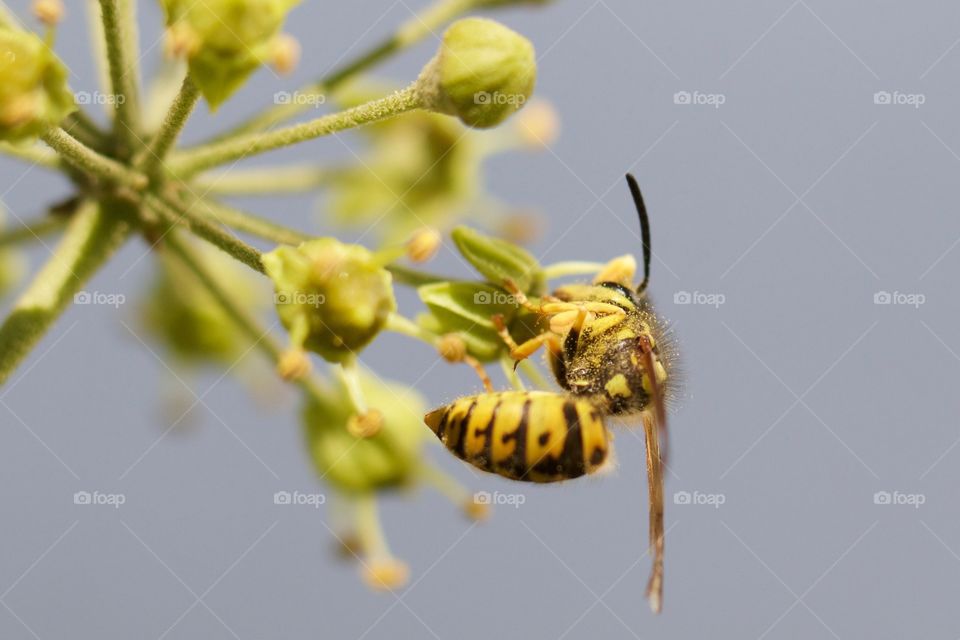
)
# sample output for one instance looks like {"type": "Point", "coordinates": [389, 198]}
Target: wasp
{"type": "Point", "coordinates": [611, 355]}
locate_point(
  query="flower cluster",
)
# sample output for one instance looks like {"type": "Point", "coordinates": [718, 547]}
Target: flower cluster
{"type": "Point", "coordinates": [418, 179]}
{"type": "Point", "coordinates": [225, 41]}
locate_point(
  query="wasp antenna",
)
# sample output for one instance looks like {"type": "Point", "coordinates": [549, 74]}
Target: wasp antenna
{"type": "Point", "coordinates": [644, 229]}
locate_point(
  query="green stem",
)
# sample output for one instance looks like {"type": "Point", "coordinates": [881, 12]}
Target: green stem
{"type": "Point", "coordinates": [247, 323]}
{"type": "Point", "coordinates": [30, 231]}
{"type": "Point", "coordinates": [86, 159]}
{"type": "Point", "coordinates": [350, 377]}
{"type": "Point", "coordinates": [36, 155]}
{"type": "Point", "coordinates": [445, 484]}
{"type": "Point", "coordinates": [571, 268]}
{"type": "Point", "coordinates": [535, 375]}
{"type": "Point", "coordinates": [173, 213]}
{"type": "Point", "coordinates": [92, 237]}
{"type": "Point", "coordinates": [131, 47]}
{"type": "Point", "coordinates": [409, 33]}
{"type": "Point", "coordinates": [506, 364]}
{"type": "Point", "coordinates": [407, 327]}
{"type": "Point", "coordinates": [253, 224]}
{"type": "Point", "coordinates": [413, 277]}
{"type": "Point", "coordinates": [81, 126]}
{"type": "Point", "coordinates": [191, 161]}
{"type": "Point", "coordinates": [372, 540]}
{"type": "Point", "coordinates": [122, 70]}
{"type": "Point", "coordinates": [173, 123]}
{"type": "Point", "coordinates": [265, 180]}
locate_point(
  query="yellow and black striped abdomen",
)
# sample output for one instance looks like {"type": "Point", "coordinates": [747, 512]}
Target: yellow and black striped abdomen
{"type": "Point", "coordinates": [536, 436]}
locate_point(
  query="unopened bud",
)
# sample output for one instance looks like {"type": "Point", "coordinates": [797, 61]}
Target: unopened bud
{"type": "Point", "coordinates": [386, 574]}
{"type": "Point", "coordinates": [181, 41]}
{"type": "Point", "coordinates": [482, 73]}
{"type": "Point", "coordinates": [49, 12]}
{"type": "Point", "coordinates": [365, 425]}
{"type": "Point", "coordinates": [293, 365]}
{"type": "Point", "coordinates": [423, 245]}
{"type": "Point", "coordinates": [452, 347]}
{"type": "Point", "coordinates": [538, 125]}
{"type": "Point", "coordinates": [285, 53]}
{"type": "Point", "coordinates": [476, 510]}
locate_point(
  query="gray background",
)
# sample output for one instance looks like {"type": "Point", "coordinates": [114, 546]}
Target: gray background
{"type": "Point", "coordinates": [798, 199]}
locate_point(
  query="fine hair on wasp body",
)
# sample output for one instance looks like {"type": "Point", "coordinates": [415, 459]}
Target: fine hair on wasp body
{"type": "Point", "coordinates": [611, 356]}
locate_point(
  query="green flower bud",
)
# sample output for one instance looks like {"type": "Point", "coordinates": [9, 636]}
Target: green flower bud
{"type": "Point", "coordinates": [355, 464]}
{"type": "Point", "coordinates": [466, 309]}
{"type": "Point", "coordinates": [498, 260]}
{"type": "Point", "coordinates": [185, 318]}
{"type": "Point", "coordinates": [225, 40]}
{"type": "Point", "coordinates": [482, 73]}
{"type": "Point", "coordinates": [332, 297]}
{"type": "Point", "coordinates": [33, 86]}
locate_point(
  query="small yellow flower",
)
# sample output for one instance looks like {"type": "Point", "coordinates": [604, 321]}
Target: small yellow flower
{"type": "Point", "coordinates": [333, 298]}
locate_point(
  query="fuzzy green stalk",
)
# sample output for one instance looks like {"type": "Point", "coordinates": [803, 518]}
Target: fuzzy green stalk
{"type": "Point", "coordinates": [172, 213]}
{"type": "Point", "coordinates": [191, 161]}
{"type": "Point", "coordinates": [571, 268]}
{"type": "Point", "coordinates": [35, 155]}
{"type": "Point", "coordinates": [81, 126]}
{"type": "Point", "coordinates": [116, 23]}
{"type": "Point", "coordinates": [31, 231]}
{"type": "Point", "coordinates": [183, 104]}
{"type": "Point", "coordinates": [94, 234]}
{"type": "Point", "coordinates": [413, 277]}
{"type": "Point", "coordinates": [252, 224]}
{"type": "Point", "coordinates": [432, 19]}
{"type": "Point", "coordinates": [265, 180]}
{"type": "Point", "coordinates": [407, 327]}
{"type": "Point", "coordinates": [86, 159]}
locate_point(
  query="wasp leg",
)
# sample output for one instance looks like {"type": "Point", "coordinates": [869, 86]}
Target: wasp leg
{"type": "Point", "coordinates": [452, 348]}
{"type": "Point", "coordinates": [521, 297]}
{"type": "Point", "coordinates": [655, 490]}
{"type": "Point", "coordinates": [474, 364]}
{"type": "Point", "coordinates": [523, 351]}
